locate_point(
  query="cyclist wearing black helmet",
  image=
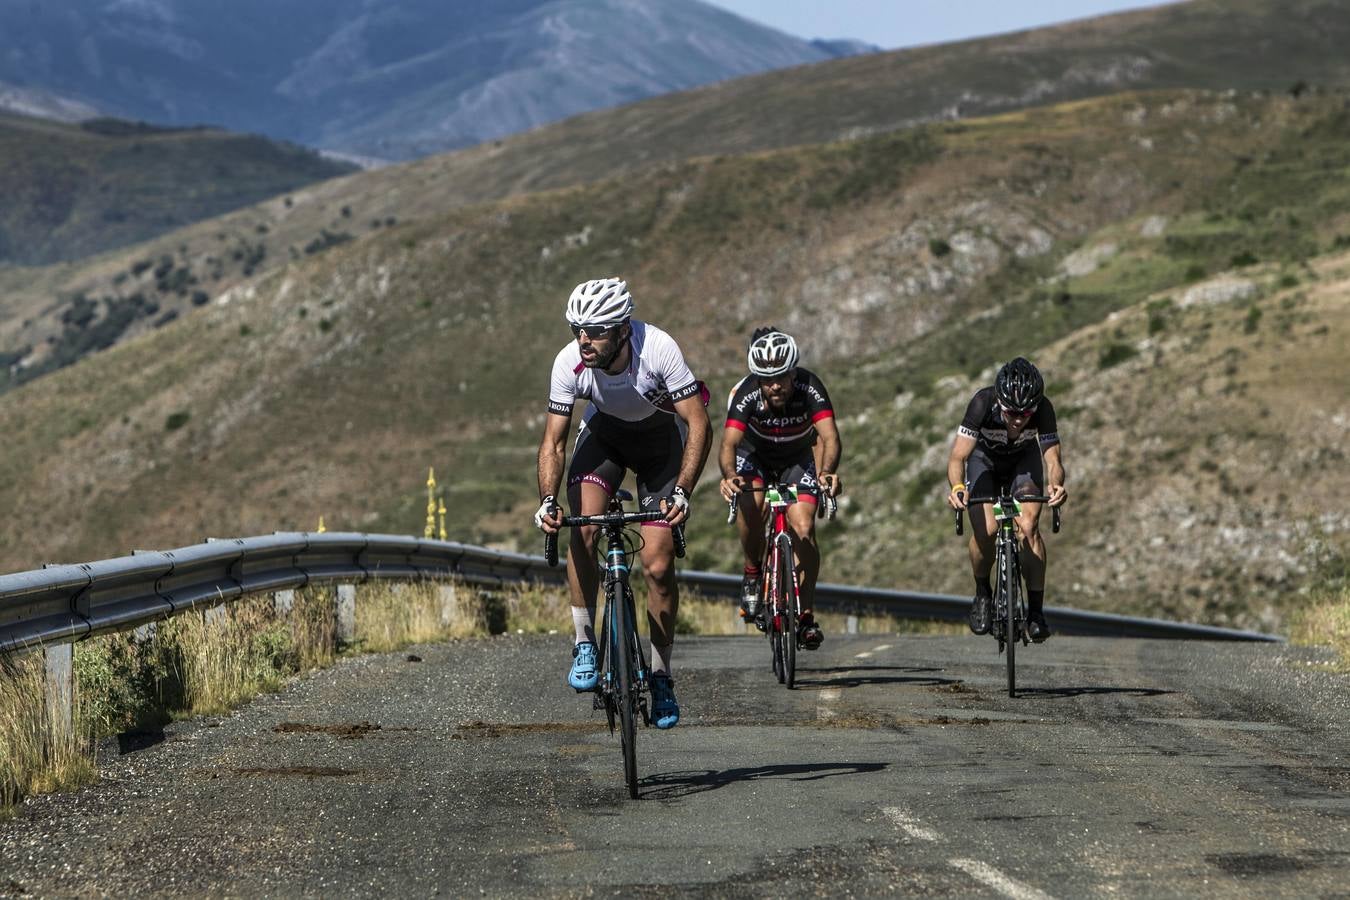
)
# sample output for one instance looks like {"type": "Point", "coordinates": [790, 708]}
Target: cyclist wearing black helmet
{"type": "Point", "coordinates": [1008, 437]}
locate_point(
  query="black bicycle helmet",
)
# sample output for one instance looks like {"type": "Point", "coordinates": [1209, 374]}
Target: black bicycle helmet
{"type": "Point", "coordinates": [1019, 385]}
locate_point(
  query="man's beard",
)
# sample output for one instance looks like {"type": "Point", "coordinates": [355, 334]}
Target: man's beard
{"type": "Point", "coordinates": [602, 360]}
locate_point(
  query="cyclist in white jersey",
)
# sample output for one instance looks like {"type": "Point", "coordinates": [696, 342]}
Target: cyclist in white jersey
{"type": "Point", "coordinates": [646, 413]}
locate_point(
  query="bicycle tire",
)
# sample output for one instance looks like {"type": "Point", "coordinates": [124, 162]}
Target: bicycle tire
{"type": "Point", "coordinates": [788, 589]}
{"type": "Point", "coordinates": [625, 696]}
{"type": "Point", "coordinates": [1009, 586]}
{"type": "Point", "coordinates": [770, 611]}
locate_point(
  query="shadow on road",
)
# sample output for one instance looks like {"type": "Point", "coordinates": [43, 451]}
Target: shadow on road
{"type": "Point", "coordinates": [827, 669]}
{"type": "Point", "coordinates": [673, 785]}
{"type": "Point", "coordinates": [860, 675]}
{"type": "Point", "coordinates": [1059, 692]}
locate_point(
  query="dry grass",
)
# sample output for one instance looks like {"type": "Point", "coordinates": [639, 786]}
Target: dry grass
{"type": "Point", "coordinates": [224, 657]}
{"type": "Point", "coordinates": [1326, 623]}
{"type": "Point", "coordinates": [36, 754]}
{"type": "Point", "coordinates": [390, 616]}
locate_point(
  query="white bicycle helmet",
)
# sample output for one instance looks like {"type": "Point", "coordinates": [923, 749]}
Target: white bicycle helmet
{"type": "Point", "coordinates": [772, 354]}
{"type": "Point", "coordinates": [601, 301]}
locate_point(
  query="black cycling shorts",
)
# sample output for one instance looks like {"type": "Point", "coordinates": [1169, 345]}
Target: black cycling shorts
{"type": "Point", "coordinates": [800, 471]}
{"type": "Point", "coordinates": [1024, 472]}
{"type": "Point", "coordinates": [652, 455]}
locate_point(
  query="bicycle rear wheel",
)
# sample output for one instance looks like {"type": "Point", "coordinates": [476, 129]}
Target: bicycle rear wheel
{"type": "Point", "coordinates": [788, 638]}
{"type": "Point", "coordinates": [625, 696]}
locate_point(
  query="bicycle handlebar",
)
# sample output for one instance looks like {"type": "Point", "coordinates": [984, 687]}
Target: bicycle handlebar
{"type": "Point", "coordinates": [984, 501]}
{"type": "Point", "coordinates": [619, 519]}
{"type": "Point", "coordinates": [831, 504]}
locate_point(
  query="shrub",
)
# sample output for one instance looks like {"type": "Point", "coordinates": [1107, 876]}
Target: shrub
{"type": "Point", "coordinates": [177, 420]}
{"type": "Point", "coordinates": [1253, 320]}
{"type": "Point", "coordinates": [1245, 258]}
{"type": "Point", "coordinates": [938, 247]}
{"type": "Point", "coordinates": [1115, 353]}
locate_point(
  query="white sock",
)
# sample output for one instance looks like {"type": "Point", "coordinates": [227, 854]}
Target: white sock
{"type": "Point", "coordinates": [582, 622]}
{"type": "Point", "coordinates": [661, 658]}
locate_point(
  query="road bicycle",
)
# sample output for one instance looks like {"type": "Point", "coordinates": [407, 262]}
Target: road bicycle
{"type": "Point", "coordinates": [624, 682]}
{"type": "Point", "coordinates": [782, 609]}
{"type": "Point", "coordinates": [1009, 621]}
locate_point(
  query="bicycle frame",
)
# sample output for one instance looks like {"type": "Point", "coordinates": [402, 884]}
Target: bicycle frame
{"type": "Point", "coordinates": [624, 678]}
{"type": "Point", "coordinates": [778, 568]}
{"type": "Point", "coordinates": [1009, 621]}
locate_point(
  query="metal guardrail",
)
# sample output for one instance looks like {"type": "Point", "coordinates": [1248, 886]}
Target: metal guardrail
{"type": "Point", "coordinates": [65, 603]}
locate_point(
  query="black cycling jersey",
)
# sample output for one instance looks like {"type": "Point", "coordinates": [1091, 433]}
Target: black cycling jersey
{"type": "Point", "coordinates": [984, 422]}
{"type": "Point", "coordinates": [779, 437]}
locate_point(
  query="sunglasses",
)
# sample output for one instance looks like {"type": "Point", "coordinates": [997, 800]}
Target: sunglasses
{"type": "Point", "coordinates": [1019, 413]}
{"type": "Point", "coordinates": [592, 331]}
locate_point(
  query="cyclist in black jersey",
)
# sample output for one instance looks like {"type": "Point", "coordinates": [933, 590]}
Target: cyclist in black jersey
{"type": "Point", "coordinates": [780, 427]}
{"type": "Point", "coordinates": [1008, 437]}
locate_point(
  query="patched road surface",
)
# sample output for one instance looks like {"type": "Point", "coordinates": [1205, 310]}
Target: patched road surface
{"type": "Point", "coordinates": [899, 766]}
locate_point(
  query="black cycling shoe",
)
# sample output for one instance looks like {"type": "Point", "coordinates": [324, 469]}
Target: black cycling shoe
{"type": "Point", "coordinates": [809, 634]}
{"type": "Point", "coordinates": [749, 597]}
{"type": "Point", "coordinates": [981, 611]}
{"type": "Point", "coordinates": [1037, 628]}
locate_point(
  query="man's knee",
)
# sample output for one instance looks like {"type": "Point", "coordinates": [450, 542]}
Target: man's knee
{"type": "Point", "coordinates": [660, 568]}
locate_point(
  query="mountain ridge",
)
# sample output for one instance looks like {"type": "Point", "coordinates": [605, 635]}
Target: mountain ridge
{"type": "Point", "coordinates": [383, 80]}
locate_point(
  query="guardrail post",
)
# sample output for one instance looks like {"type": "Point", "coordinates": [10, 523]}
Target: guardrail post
{"type": "Point", "coordinates": [346, 613]}
{"type": "Point", "coordinates": [851, 625]}
{"type": "Point", "coordinates": [283, 602]}
{"type": "Point", "coordinates": [449, 605]}
{"type": "Point", "coordinates": [59, 683]}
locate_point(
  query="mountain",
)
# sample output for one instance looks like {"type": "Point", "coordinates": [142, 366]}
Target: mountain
{"type": "Point", "coordinates": [50, 315]}
{"type": "Point", "coordinates": [75, 190]}
{"type": "Point", "coordinates": [392, 79]}
{"type": "Point", "coordinates": [1176, 261]}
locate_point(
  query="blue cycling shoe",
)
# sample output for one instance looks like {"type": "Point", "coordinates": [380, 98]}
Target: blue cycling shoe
{"type": "Point", "coordinates": [583, 676]}
{"type": "Point", "coordinates": [665, 709]}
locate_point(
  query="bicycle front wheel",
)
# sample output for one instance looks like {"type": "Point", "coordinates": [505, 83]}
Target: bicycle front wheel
{"type": "Point", "coordinates": [1010, 587]}
{"type": "Point", "coordinates": [788, 582]}
{"type": "Point", "coordinates": [621, 644]}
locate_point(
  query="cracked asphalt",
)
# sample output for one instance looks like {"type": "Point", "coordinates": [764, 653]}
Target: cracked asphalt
{"type": "Point", "coordinates": [900, 766]}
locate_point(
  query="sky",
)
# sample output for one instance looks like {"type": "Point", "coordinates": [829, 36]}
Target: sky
{"type": "Point", "coordinates": [905, 23]}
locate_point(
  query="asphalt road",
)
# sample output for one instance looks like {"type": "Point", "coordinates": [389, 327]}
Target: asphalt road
{"type": "Point", "coordinates": [1127, 768]}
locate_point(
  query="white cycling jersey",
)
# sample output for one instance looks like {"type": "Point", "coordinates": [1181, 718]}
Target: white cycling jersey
{"type": "Point", "coordinates": [642, 395]}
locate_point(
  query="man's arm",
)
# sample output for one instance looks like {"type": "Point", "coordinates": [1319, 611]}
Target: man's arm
{"type": "Point", "coordinates": [962, 447]}
{"type": "Point", "coordinates": [697, 443]}
{"type": "Point", "coordinates": [552, 453]}
{"type": "Point", "coordinates": [1054, 476]}
{"type": "Point", "coordinates": [726, 460]}
{"type": "Point", "coordinates": [828, 450]}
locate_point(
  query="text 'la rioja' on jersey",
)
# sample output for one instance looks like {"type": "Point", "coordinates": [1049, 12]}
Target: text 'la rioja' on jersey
{"type": "Point", "coordinates": [780, 435]}
{"type": "Point", "coordinates": [984, 422]}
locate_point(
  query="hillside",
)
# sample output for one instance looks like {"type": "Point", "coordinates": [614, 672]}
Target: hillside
{"type": "Point", "coordinates": [1186, 45]}
{"type": "Point", "coordinates": [907, 262]}
{"type": "Point", "coordinates": [75, 190]}
{"type": "Point", "coordinates": [394, 79]}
